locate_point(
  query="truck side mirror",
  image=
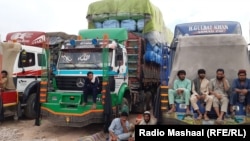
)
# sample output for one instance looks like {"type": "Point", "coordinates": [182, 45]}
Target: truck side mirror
{"type": "Point", "coordinates": [119, 56]}
{"type": "Point", "coordinates": [112, 83]}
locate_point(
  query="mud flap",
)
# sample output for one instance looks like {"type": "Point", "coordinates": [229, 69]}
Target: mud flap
{"type": "Point", "coordinates": [148, 99]}
{"type": "Point", "coordinates": [37, 106]}
{"type": "Point", "coordinates": [139, 106]}
{"type": "Point", "coordinates": [1, 109]}
{"type": "Point", "coordinates": [108, 112]}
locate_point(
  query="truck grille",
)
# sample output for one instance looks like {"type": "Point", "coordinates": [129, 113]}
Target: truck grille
{"type": "Point", "coordinates": [70, 82]}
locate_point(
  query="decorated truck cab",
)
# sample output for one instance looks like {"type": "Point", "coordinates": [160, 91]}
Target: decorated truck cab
{"type": "Point", "coordinates": [62, 98]}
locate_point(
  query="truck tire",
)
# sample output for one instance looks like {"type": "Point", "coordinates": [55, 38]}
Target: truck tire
{"type": "Point", "coordinates": [29, 110]}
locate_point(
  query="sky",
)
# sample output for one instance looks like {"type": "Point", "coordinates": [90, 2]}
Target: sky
{"type": "Point", "coordinates": [70, 15]}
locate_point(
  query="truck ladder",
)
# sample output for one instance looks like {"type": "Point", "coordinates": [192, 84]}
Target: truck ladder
{"type": "Point", "coordinates": [134, 47]}
{"type": "Point", "coordinates": [164, 77]}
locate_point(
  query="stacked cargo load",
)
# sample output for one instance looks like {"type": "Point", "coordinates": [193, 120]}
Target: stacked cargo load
{"type": "Point", "coordinates": [136, 16]}
{"type": "Point", "coordinates": [141, 18]}
{"type": "Point", "coordinates": [147, 44]}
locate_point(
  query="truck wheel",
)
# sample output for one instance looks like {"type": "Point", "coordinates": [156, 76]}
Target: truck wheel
{"type": "Point", "coordinates": [29, 110]}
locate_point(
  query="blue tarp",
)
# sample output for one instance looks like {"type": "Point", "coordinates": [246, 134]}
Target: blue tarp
{"type": "Point", "coordinates": [129, 24]}
{"type": "Point", "coordinates": [111, 24]}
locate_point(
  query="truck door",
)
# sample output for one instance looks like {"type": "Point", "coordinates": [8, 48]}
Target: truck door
{"type": "Point", "coordinates": [27, 70]}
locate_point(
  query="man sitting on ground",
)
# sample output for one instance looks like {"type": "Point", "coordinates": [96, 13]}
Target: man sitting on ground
{"type": "Point", "coordinates": [119, 128]}
{"type": "Point", "coordinates": [147, 120]}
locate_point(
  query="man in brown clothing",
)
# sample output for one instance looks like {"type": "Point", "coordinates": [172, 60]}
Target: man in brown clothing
{"type": "Point", "coordinates": [219, 87]}
{"type": "Point", "coordinates": [200, 92]}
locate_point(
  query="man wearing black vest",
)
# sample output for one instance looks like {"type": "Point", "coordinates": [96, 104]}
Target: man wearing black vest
{"type": "Point", "coordinates": [200, 92]}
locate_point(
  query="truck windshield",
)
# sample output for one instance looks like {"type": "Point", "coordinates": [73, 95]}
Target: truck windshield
{"type": "Point", "coordinates": [82, 59]}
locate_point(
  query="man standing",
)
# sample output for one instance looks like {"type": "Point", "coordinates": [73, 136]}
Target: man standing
{"type": "Point", "coordinates": [119, 128]}
{"type": "Point", "coordinates": [90, 87]}
{"type": "Point", "coordinates": [201, 92]}
{"type": "Point", "coordinates": [240, 91]}
{"type": "Point", "coordinates": [180, 92]}
{"type": "Point", "coordinates": [219, 88]}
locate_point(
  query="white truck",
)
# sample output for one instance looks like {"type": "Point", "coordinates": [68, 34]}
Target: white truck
{"type": "Point", "coordinates": [30, 62]}
{"type": "Point", "coordinates": [26, 67]}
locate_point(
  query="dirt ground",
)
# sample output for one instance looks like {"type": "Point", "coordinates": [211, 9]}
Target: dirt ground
{"type": "Point", "coordinates": [25, 130]}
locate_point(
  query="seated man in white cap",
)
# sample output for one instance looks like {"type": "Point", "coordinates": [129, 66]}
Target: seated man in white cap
{"type": "Point", "coordinates": [147, 120]}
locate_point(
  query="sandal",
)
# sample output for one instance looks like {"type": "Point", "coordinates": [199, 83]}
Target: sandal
{"type": "Point", "coordinates": [206, 118]}
{"type": "Point", "coordinates": [199, 117]}
{"type": "Point", "coordinates": [248, 111]}
{"type": "Point", "coordinates": [219, 121]}
{"type": "Point", "coordinates": [232, 111]}
{"type": "Point", "coordinates": [188, 113]}
{"type": "Point", "coordinates": [233, 115]}
{"type": "Point", "coordinates": [83, 104]}
{"type": "Point", "coordinates": [93, 106]}
{"type": "Point", "coordinates": [171, 111]}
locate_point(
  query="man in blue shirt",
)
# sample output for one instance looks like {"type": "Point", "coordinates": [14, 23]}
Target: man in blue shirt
{"type": "Point", "coordinates": [90, 87]}
{"type": "Point", "coordinates": [240, 91]}
{"type": "Point", "coordinates": [119, 128]}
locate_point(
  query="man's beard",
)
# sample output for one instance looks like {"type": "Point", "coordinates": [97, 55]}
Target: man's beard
{"type": "Point", "coordinates": [242, 80]}
{"type": "Point", "coordinates": [219, 78]}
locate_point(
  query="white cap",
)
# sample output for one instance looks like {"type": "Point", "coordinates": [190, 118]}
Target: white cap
{"type": "Point", "coordinates": [146, 112]}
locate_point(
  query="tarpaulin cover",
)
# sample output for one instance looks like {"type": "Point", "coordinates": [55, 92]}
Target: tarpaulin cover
{"type": "Point", "coordinates": [120, 6]}
{"type": "Point", "coordinates": [9, 52]}
{"type": "Point", "coordinates": [110, 9]}
{"type": "Point", "coordinates": [58, 37]}
{"type": "Point", "coordinates": [226, 51]}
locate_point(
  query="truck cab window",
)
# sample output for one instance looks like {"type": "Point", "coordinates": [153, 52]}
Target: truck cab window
{"type": "Point", "coordinates": [28, 61]}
